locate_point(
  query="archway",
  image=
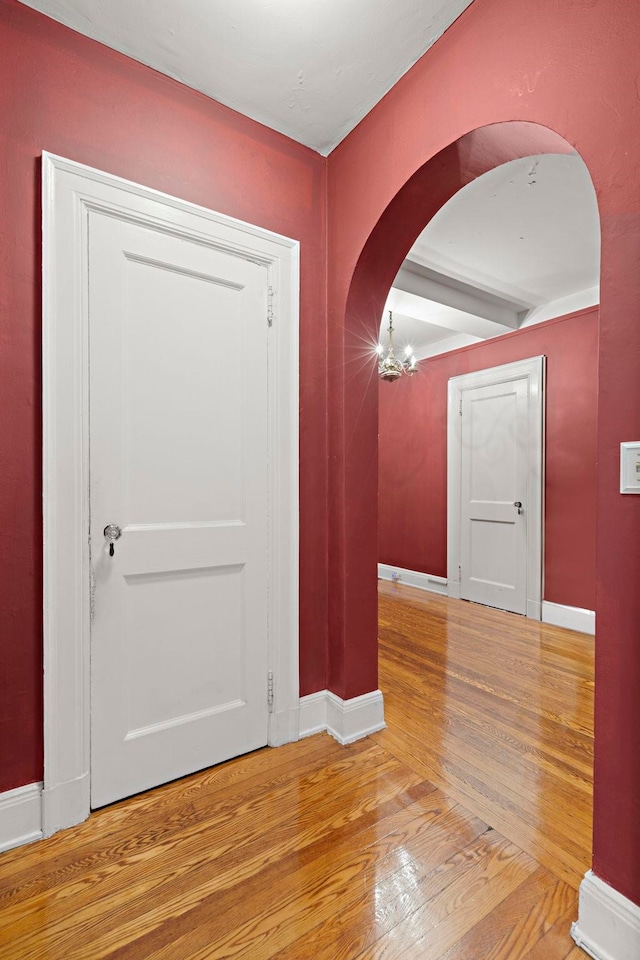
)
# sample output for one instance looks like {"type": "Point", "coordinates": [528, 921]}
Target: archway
{"type": "Point", "coordinates": [353, 549]}
{"type": "Point", "coordinates": [430, 187]}
{"type": "Point", "coordinates": [447, 703]}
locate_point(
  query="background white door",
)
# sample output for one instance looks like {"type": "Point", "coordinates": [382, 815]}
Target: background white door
{"type": "Point", "coordinates": [495, 452]}
{"type": "Point", "coordinates": [493, 479]}
{"type": "Point", "coordinates": [179, 460]}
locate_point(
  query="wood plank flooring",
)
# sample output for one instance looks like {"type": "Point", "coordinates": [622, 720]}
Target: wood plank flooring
{"type": "Point", "coordinates": [458, 833]}
{"type": "Point", "coordinates": [497, 711]}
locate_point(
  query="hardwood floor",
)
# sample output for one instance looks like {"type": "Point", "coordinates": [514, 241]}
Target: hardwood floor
{"type": "Point", "coordinates": [458, 833]}
{"type": "Point", "coordinates": [497, 711]}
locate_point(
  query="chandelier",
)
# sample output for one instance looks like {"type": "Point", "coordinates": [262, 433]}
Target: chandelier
{"type": "Point", "coordinates": [389, 368]}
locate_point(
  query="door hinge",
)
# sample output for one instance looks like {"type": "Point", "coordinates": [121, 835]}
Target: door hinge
{"type": "Point", "coordinates": [270, 689]}
{"type": "Point", "coordinates": [270, 296]}
{"type": "Point", "coordinates": [460, 405]}
{"type": "Point", "coordinates": [460, 573]}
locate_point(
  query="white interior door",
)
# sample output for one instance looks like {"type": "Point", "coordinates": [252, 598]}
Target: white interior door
{"type": "Point", "coordinates": [494, 481]}
{"type": "Point", "coordinates": [178, 461]}
{"type": "Point", "coordinates": [495, 486]}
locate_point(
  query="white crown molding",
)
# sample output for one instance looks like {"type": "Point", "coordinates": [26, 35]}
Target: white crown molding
{"type": "Point", "coordinates": [413, 578]}
{"type": "Point", "coordinates": [608, 924]}
{"type": "Point", "coordinates": [20, 816]}
{"type": "Point", "coordinates": [345, 720]}
{"type": "Point", "coordinates": [571, 618]}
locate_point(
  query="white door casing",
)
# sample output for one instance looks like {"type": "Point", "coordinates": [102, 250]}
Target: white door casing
{"type": "Point", "coordinates": [83, 206]}
{"type": "Point", "coordinates": [495, 461]}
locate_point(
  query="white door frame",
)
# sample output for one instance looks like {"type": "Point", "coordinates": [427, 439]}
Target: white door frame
{"type": "Point", "coordinates": [533, 370]}
{"type": "Point", "coordinates": [70, 191]}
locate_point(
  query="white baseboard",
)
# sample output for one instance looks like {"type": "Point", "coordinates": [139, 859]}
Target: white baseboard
{"type": "Point", "coordinates": [313, 713]}
{"type": "Point", "coordinates": [571, 618]}
{"type": "Point", "coordinates": [20, 816]}
{"type": "Point", "coordinates": [345, 720]}
{"type": "Point", "coordinates": [608, 925]}
{"type": "Point", "coordinates": [412, 578]}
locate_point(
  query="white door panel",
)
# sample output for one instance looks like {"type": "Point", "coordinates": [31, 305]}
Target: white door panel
{"type": "Point", "coordinates": [179, 460]}
{"type": "Point", "coordinates": [495, 448]}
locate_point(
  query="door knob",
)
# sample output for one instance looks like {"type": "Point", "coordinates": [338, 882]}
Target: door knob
{"type": "Point", "coordinates": [518, 504]}
{"type": "Point", "coordinates": [112, 532]}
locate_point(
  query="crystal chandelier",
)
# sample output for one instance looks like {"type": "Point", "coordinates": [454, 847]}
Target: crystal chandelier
{"type": "Point", "coordinates": [389, 368]}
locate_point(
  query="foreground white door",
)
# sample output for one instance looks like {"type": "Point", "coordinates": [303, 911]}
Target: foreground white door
{"type": "Point", "coordinates": [497, 462]}
{"type": "Point", "coordinates": [170, 413]}
{"type": "Point", "coordinates": [178, 454]}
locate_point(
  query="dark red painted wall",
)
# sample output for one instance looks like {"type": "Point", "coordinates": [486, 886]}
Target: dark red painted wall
{"type": "Point", "coordinates": [68, 95]}
{"type": "Point", "coordinates": [569, 67]}
{"type": "Point", "coordinates": [412, 530]}
{"type": "Point", "coordinates": [496, 86]}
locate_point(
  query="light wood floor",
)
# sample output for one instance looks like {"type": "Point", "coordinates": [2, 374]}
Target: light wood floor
{"type": "Point", "coordinates": [458, 833]}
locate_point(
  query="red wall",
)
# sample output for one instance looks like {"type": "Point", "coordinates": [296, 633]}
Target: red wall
{"type": "Point", "coordinates": [412, 531]}
{"type": "Point", "coordinates": [504, 77]}
{"type": "Point", "coordinates": [63, 93]}
{"type": "Point", "coordinates": [498, 85]}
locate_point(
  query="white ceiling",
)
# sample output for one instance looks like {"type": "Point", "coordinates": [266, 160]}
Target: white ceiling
{"type": "Point", "coordinates": [519, 245]}
{"type": "Point", "coordinates": [311, 69]}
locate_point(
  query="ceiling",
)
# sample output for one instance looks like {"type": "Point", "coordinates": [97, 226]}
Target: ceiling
{"type": "Point", "coordinates": [519, 245]}
{"type": "Point", "coordinates": [311, 69]}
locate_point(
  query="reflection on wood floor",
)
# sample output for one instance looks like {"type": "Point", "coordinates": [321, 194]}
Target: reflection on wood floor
{"type": "Point", "coordinates": [458, 833]}
{"type": "Point", "coordinates": [496, 710]}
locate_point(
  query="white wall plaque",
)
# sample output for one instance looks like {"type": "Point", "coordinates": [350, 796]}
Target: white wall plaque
{"type": "Point", "coordinates": [630, 467]}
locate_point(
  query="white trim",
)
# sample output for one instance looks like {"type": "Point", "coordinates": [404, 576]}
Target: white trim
{"type": "Point", "coordinates": [70, 190]}
{"type": "Point", "coordinates": [20, 816]}
{"type": "Point", "coordinates": [608, 924]}
{"type": "Point", "coordinates": [571, 618]}
{"type": "Point", "coordinates": [345, 720]}
{"type": "Point", "coordinates": [313, 713]}
{"type": "Point", "coordinates": [284, 726]}
{"type": "Point", "coordinates": [533, 370]}
{"type": "Point", "coordinates": [413, 578]}
{"type": "Point", "coordinates": [534, 610]}
{"type": "Point", "coordinates": [349, 720]}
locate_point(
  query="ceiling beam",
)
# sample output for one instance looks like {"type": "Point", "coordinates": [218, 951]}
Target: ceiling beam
{"type": "Point", "coordinates": [424, 282]}
{"type": "Point", "coordinates": [443, 315]}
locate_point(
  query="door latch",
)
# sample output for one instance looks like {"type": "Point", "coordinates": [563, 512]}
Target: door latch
{"type": "Point", "coordinates": [112, 532]}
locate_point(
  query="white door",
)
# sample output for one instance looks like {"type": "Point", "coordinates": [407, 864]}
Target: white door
{"type": "Point", "coordinates": [178, 461]}
{"type": "Point", "coordinates": [495, 486]}
{"type": "Point", "coordinates": [494, 481]}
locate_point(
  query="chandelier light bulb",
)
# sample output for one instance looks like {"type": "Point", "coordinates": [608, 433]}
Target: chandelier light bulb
{"type": "Point", "coordinates": [389, 368]}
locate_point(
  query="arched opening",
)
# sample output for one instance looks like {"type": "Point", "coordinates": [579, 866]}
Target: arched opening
{"type": "Point", "coordinates": [515, 249]}
{"type": "Point", "coordinates": [403, 220]}
{"type": "Point", "coordinates": [353, 522]}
